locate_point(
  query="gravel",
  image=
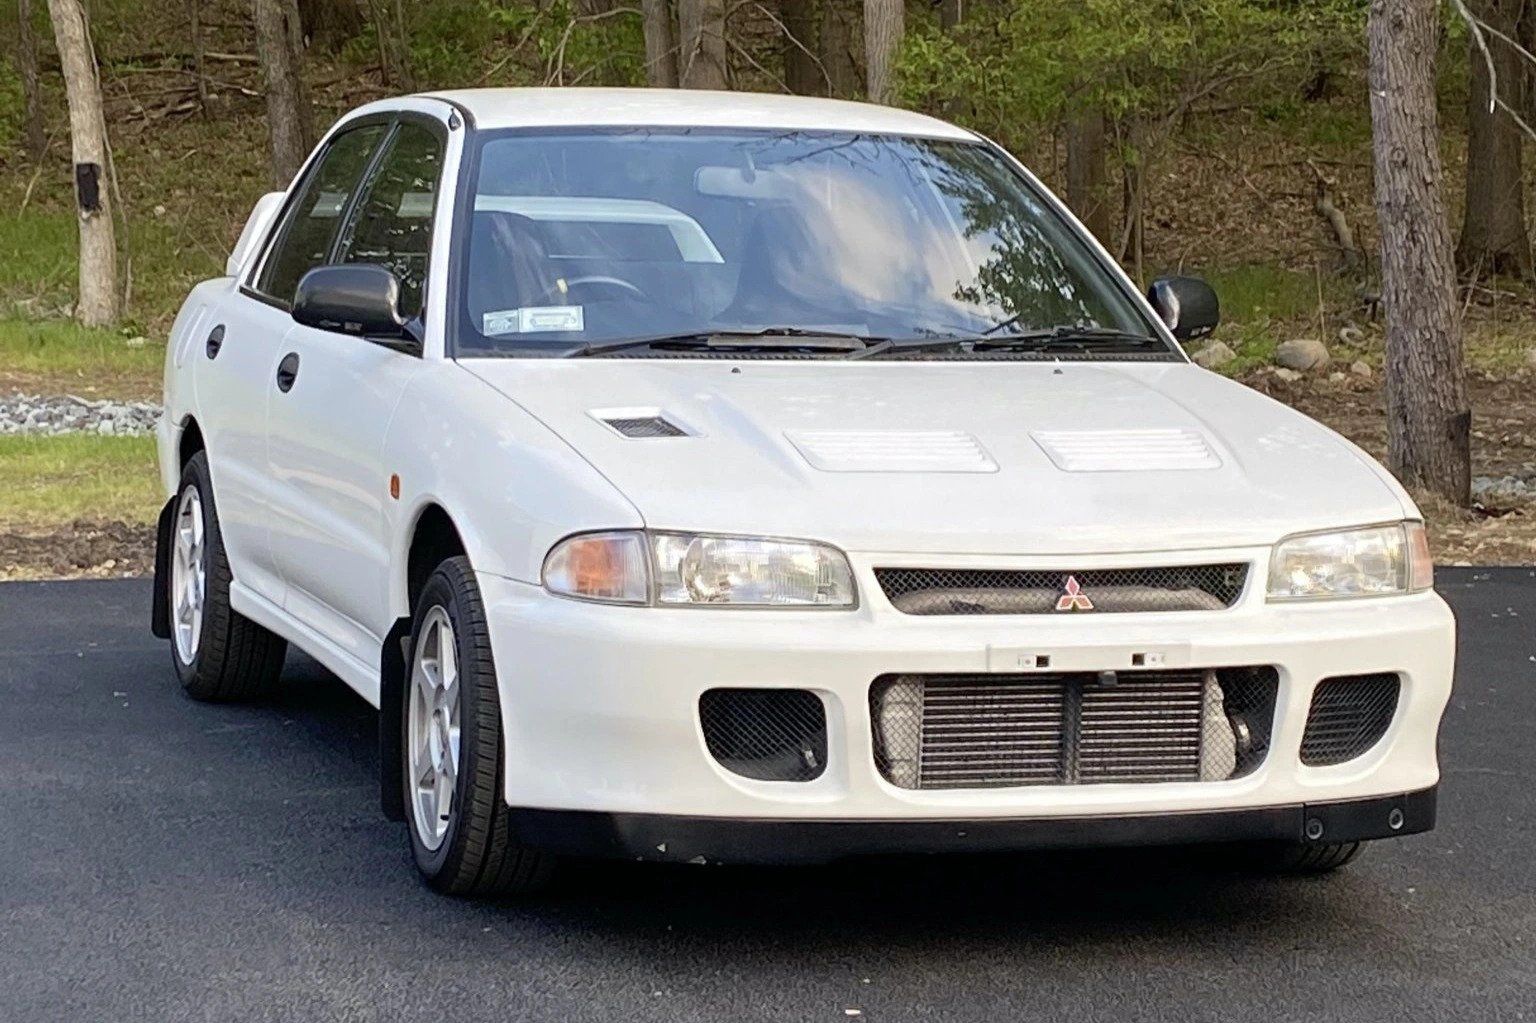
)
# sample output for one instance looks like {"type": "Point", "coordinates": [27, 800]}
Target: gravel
{"type": "Point", "coordinates": [1504, 488]}
{"type": "Point", "coordinates": [55, 414]}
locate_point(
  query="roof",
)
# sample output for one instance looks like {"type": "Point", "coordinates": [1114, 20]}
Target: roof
{"type": "Point", "coordinates": [528, 108]}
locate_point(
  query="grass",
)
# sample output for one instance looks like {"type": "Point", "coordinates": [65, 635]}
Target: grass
{"type": "Point", "coordinates": [52, 480]}
{"type": "Point", "coordinates": [59, 355]}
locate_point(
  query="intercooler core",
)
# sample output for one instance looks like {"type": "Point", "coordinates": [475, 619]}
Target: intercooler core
{"type": "Point", "coordinates": [997, 731]}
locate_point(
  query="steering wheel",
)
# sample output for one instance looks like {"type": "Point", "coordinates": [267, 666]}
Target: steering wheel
{"type": "Point", "coordinates": [614, 283]}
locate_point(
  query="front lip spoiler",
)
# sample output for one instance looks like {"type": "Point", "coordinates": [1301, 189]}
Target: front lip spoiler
{"type": "Point", "coordinates": [681, 839]}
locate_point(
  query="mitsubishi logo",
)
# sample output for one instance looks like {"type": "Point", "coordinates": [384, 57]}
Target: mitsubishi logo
{"type": "Point", "coordinates": [1072, 597]}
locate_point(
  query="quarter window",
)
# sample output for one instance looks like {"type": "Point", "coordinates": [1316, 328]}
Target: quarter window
{"type": "Point", "coordinates": [393, 222]}
{"type": "Point", "coordinates": [313, 220]}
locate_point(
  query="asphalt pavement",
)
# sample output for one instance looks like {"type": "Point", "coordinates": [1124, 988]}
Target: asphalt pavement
{"type": "Point", "coordinates": [166, 860]}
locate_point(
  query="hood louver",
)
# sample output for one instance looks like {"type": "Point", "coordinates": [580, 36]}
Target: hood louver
{"type": "Point", "coordinates": [639, 424]}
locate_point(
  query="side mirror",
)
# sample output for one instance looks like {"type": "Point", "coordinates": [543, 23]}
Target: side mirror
{"type": "Point", "coordinates": [1187, 305]}
{"type": "Point", "coordinates": [354, 298]}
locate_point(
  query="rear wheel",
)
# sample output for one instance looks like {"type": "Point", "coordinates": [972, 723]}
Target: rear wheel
{"type": "Point", "coordinates": [451, 744]}
{"type": "Point", "coordinates": [218, 653]}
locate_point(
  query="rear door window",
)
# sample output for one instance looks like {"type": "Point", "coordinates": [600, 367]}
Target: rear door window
{"type": "Point", "coordinates": [312, 222]}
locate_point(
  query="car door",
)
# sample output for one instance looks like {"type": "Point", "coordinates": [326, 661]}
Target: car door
{"type": "Point", "coordinates": [325, 433]}
{"type": "Point", "coordinates": [241, 347]}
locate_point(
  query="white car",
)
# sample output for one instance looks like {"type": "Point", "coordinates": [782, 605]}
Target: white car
{"type": "Point", "coordinates": [716, 477]}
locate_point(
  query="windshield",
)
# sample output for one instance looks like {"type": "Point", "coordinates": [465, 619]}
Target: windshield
{"type": "Point", "coordinates": [586, 237]}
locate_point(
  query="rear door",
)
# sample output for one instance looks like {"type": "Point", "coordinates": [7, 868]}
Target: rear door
{"type": "Point", "coordinates": [238, 356]}
{"type": "Point", "coordinates": [326, 433]}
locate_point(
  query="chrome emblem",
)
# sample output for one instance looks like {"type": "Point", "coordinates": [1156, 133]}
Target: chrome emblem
{"type": "Point", "coordinates": [1072, 597]}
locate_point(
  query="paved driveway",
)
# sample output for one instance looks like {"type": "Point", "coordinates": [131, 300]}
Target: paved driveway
{"type": "Point", "coordinates": [164, 860]}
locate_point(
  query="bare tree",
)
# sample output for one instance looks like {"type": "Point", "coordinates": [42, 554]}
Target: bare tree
{"type": "Point", "coordinates": [36, 138]}
{"type": "Point", "coordinates": [882, 38]}
{"type": "Point", "coordinates": [280, 47]}
{"type": "Point", "coordinates": [1493, 233]}
{"type": "Point", "coordinates": [330, 23]}
{"type": "Point", "coordinates": [96, 305]}
{"type": "Point", "coordinates": [195, 15]}
{"type": "Point", "coordinates": [951, 13]}
{"type": "Point", "coordinates": [389, 32]}
{"type": "Point", "coordinates": [1087, 179]}
{"type": "Point", "coordinates": [836, 45]}
{"type": "Point", "coordinates": [802, 71]}
{"type": "Point", "coordinates": [1429, 423]}
{"type": "Point", "coordinates": [660, 44]}
{"type": "Point", "coordinates": [701, 29]}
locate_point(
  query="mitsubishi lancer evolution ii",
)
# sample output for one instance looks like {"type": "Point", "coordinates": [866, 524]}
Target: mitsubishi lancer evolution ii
{"type": "Point", "coordinates": [713, 477]}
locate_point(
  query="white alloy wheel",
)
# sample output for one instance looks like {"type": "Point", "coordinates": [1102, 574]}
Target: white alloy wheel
{"type": "Point", "coordinates": [432, 728]}
{"type": "Point", "coordinates": [189, 575]}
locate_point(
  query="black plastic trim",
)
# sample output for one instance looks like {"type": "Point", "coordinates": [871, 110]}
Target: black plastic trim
{"type": "Point", "coordinates": [679, 839]}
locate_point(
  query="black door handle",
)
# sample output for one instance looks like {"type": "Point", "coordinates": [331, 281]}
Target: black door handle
{"type": "Point", "coordinates": [215, 341]}
{"type": "Point", "coordinates": [287, 372]}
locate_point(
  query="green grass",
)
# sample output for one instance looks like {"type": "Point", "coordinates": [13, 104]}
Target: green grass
{"type": "Point", "coordinates": [52, 480]}
{"type": "Point", "coordinates": [55, 356]}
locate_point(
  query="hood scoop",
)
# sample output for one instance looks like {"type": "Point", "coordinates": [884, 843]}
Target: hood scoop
{"type": "Point", "coordinates": [1125, 450]}
{"type": "Point", "coordinates": [638, 423]}
{"type": "Point", "coordinates": [891, 450]}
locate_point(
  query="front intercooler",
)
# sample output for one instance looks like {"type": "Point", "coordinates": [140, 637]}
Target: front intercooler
{"type": "Point", "coordinates": [997, 731]}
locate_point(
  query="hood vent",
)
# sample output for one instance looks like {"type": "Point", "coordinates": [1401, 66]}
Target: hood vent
{"type": "Point", "coordinates": [638, 423]}
{"type": "Point", "coordinates": [892, 450]}
{"type": "Point", "coordinates": [1125, 450]}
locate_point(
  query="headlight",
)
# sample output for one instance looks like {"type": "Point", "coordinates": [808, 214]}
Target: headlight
{"type": "Point", "coordinates": [686, 569]}
{"type": "Point", "coordinates": [1352, 563]}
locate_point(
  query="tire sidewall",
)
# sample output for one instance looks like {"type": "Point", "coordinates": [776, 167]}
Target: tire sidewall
{"type": "Point", "coordinates": [442, 591]}
{"type": "Point", "coordinates": [195, 476]}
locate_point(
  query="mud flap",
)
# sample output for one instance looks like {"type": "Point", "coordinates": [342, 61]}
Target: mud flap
{"type": "Point", "coordinates": [159, 608]}
{"type": "Point", "coordinates": [392, 720]}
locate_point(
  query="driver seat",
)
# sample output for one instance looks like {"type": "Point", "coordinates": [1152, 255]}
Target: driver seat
{"type": "Point", "coordinates": [509, 266]}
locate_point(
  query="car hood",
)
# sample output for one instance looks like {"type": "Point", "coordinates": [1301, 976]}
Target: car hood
{"type": "Point", "coordinates": [965, 457]}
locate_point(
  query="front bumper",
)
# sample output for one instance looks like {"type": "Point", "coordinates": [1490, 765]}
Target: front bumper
{"type": "Point", "coordinates": [600, 703]}
{"type": "Point", "coordinates": [674, 839]}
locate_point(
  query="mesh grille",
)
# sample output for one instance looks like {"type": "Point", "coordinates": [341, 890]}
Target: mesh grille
{"type": "Point", "coordinates": [1001, 731]}
{"type": "Point", "coordinates": [949, 591]}
{"type": "Point", "coordinates": [766, 734]}
{"type": "Point", "coordinates": [646, 426]}
{"type": "Point", "coordinates": [1349, 715]}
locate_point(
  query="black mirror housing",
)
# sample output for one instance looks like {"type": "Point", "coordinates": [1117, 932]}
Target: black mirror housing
{"type": "Point", "coordinates": [362, 299]}
{"type": "Point", "coordinates": [1188, 306]}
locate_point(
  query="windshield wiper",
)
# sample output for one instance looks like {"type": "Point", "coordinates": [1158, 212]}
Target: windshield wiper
{"type": "Point", "coordinates": [769, 339]}
{"type": "Point", "coordinates": [1065, 335]}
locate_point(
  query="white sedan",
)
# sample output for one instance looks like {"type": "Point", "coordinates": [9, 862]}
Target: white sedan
{"type": "Point", "coordinates": [716, 477]}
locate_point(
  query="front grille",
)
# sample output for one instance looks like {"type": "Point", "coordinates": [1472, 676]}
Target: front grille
{"type": "Point", "coordinates": [1001, 731]}
{"type": "Point", "coordinates": [1349, 715]}
{"type": "Point", "coordinates": [968, 591]}
{"type": "Point", "coordinates": [766, 734]}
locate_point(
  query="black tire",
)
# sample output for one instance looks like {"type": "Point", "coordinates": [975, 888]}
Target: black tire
{"type": "Point", "coordinates": [1301, 858]}
{"type": "Point", "coordinates": [235, 659]}
{"type": "Point", "coordinates": [476, 855]}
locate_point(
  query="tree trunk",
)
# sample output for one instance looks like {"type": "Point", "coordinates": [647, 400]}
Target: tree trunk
{"type": "Point", "coordinates": [1087, 180]}
{"type": "Point", "coordinates": [1493, 233]}
{"type": "Point", "coordinates": [701, 27]}
{"type": "Point", "coordinates": [96, 305]}
{"type": "Point", "coordinates": [280, 49]}
{"type": "Point", "coordinates": [882, 38]}
{"type": "Point", "coordinates": [836, 46]}
{"type": "Point", "coordinates": [328, 24]}
{"type": "Point", "coordinates": [1429, 423]}
{"type": "Point", "coordinates": [34, 134]}
{"type": "Point", "coordinates": [660, 44]}
{"type": "Point", "coordinates": [195, 14]}
{"type": "Point", "coordinates": [802, 71]}
{"type": "Point", "coordinates": [951, 13]}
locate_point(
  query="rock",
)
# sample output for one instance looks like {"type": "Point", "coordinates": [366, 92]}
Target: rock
{"type": "Point", "coordinates": [1214, 355]}
{"type": "Point", "coordinates": [23, 413]}
{"type": "Point", "coordinates": [1361, 369]}
{"type": "Point", "coordinates": [1336, 377]}
{"type": "Point", "coordinates": [1302, 354]}
{"type": "Point", "coordinates": [1530, 358]}
{"type": "Point", "coordinates": [1290, 376]}
{"type": "Point", "coordinates": [1350, 335]}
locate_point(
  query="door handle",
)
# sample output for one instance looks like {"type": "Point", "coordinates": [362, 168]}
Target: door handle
{"type": "Point", "coordinates": [287, 372]}
{"type": "Point", "coordinates": [215, 341]}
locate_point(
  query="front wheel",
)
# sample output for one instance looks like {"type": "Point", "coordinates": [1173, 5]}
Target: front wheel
{"type": "Point", "coordinates": [1300, 858]}
{"type": "Point", "coordinates": [451, 743]}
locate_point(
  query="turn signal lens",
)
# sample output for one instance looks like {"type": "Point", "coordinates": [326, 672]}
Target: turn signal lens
{"type": "Point", "coordinates": [609, 567]}
{"type": "Point", "coordinates": [1421, 567]}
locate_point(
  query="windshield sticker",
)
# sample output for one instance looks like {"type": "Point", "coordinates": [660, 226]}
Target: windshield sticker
{"type": "Point", "coordinates": [533, 320]}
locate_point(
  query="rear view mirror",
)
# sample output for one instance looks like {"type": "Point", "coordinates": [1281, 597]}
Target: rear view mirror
{"type": "Point", "coordinates": [354, 298]}
{"type": "Point", "coordinates": [1187, 305]}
